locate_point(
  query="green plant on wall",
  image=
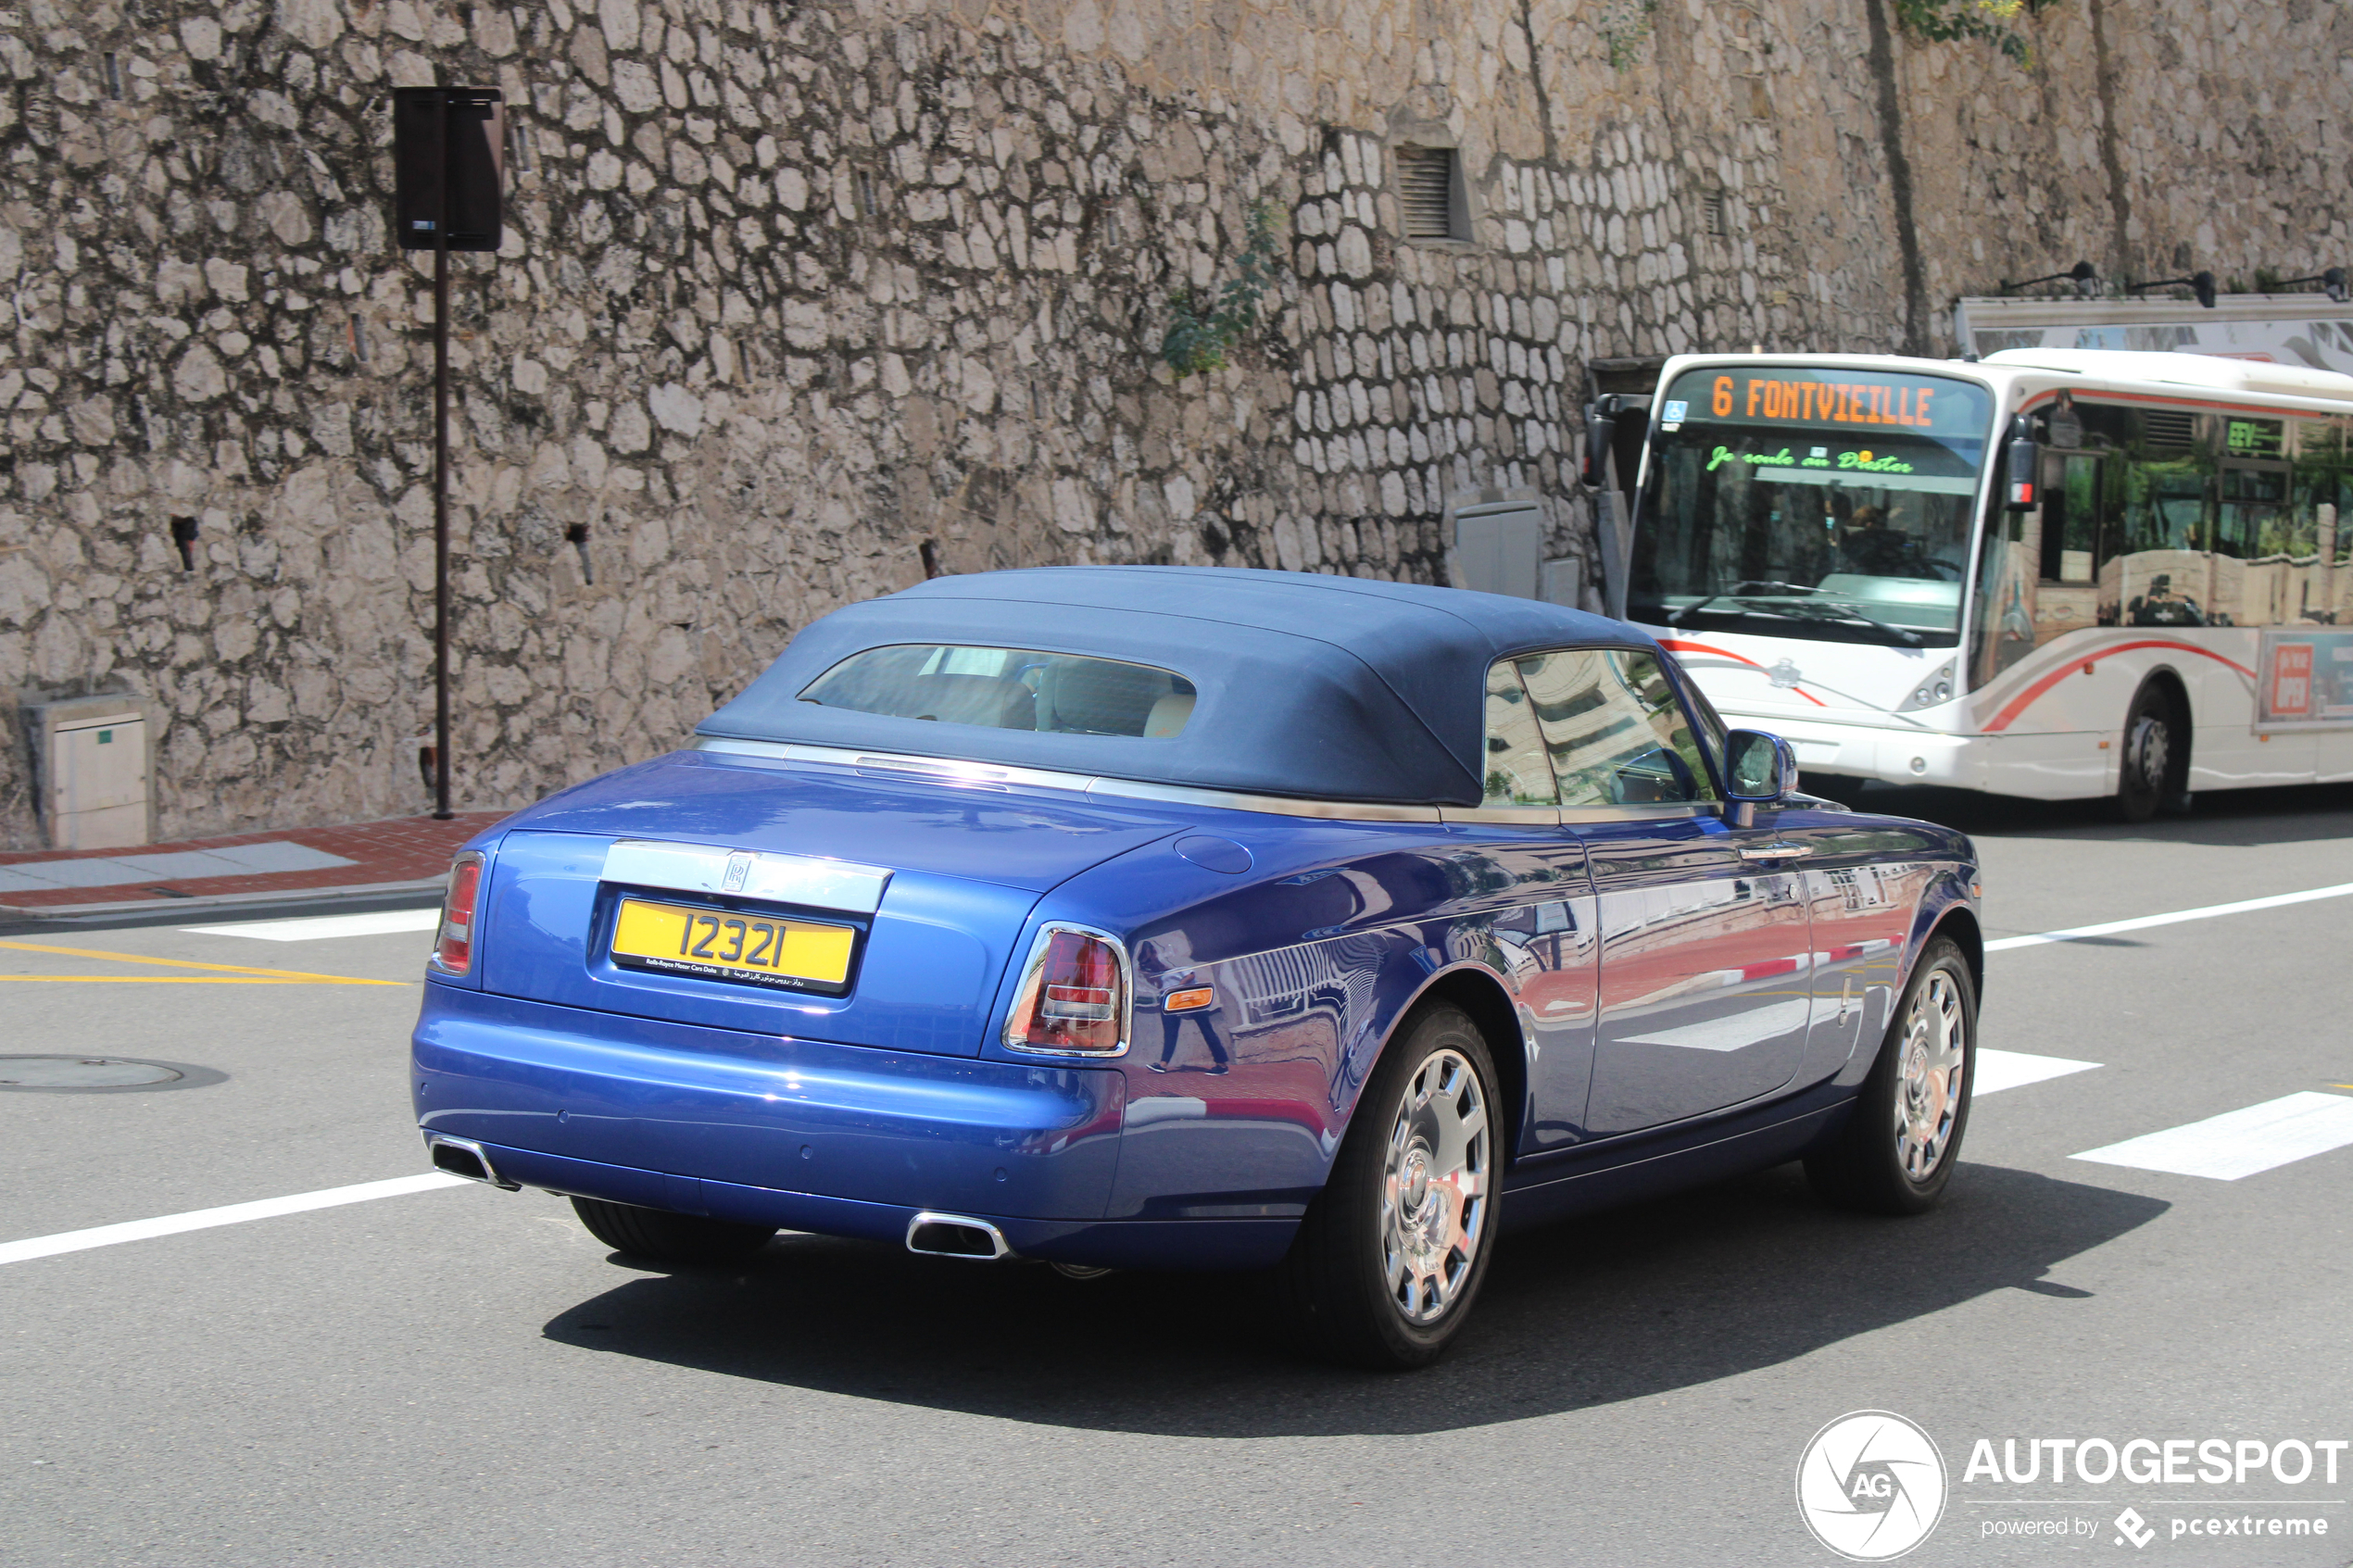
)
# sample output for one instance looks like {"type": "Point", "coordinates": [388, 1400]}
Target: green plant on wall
{"type": "Point", "coordinates": [1206, 325]}
{"type": "Point", "coordinates": [1987, 22]}
{"type": "Point", "coordinates": [1623, 25]}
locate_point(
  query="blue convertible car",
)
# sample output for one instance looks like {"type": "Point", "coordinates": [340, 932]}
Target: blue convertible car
{"type": "Point", "coordinates": [1152, 917]}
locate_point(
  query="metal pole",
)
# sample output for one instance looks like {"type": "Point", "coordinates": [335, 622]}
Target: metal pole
{"type": "Point", "coordinates": [441, 488]}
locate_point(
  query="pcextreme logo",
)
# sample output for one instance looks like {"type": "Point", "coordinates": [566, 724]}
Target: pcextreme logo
{"type": "Point", "coordinates": [1870, 1486]}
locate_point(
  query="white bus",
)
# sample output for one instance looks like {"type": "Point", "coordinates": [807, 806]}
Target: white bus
{"type": "Point", "coordinates": [2054, 573]}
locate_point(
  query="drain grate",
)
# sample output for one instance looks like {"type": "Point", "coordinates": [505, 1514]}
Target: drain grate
{"type": "Point", "coordinates": [89, 1074]}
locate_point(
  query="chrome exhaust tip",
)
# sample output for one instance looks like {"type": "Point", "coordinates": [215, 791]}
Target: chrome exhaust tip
{"type": "Point", "coordinates": [956, 1236]}
{"type": "Point", "coordinates": [464, 1156]}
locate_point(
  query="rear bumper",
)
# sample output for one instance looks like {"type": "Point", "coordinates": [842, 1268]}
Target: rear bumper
{"type": "Point", "coordinates": [798, 1134]}
{"type": "Point", "coordinates": [1125, 1244]}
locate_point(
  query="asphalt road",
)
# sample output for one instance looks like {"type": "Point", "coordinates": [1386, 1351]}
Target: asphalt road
{"type": "Point", "coordinates": [462, 1376]}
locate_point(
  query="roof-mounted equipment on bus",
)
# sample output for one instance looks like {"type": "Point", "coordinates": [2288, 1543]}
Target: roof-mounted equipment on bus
{"type": "Point", "coordinates": [2198, 283]}
{"type": "Point", "coordinates": [2025, 463]}
{"type": "Point", "coordinates": [2174, 367]}
{"type": "Point", "coordinates": [2083, 275]}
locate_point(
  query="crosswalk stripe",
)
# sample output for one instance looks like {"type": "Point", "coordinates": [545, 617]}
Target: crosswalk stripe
{"type": "Point", "coordinates": [2239, 1143]}
{"type": "Point", "coordinates": [1997, 1070]}
{"type": "Point", "coordinates": [314, 928]}
{"type": "Point", "coordinates": [2141, 923]}
{"type": "Point", "coordinates": [229, 1214]}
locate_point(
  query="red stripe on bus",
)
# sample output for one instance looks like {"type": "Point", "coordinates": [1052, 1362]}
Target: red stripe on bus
{"type": "Point", "coordinates": [2019, 703]}
{"type": "Point", "coordinates": [1680, 646]}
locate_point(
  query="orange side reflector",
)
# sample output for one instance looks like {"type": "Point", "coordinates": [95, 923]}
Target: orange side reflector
{"type": "Point", "coordinates": [1189, 1002]}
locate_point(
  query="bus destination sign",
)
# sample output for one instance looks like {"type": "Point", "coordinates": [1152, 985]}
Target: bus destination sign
{"type": "Point", "coordinates": [1787, 396]}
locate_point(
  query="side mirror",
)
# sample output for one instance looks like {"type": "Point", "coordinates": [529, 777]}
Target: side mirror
{"type": "Point", "coordinates": [1601, 433]}
{"type": "Point", "coordinates": [2025, 464]}
{"type": "Point", "coordinates": [1601, 430]}
{"type": "Point", "coordinates": [1759, 770]}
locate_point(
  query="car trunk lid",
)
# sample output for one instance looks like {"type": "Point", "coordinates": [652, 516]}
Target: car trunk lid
{"type": "Point", "coordinates": [905, 893]}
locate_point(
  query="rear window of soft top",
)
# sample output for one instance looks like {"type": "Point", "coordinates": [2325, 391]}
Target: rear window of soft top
{"type": "Point", "coordinates": [1008, 689]}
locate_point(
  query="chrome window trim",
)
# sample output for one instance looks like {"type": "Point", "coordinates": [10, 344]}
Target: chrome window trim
{"type": "Point", "coordinates": [840, 885]}
{"type": "Point", "coordinates": [1278, 805]}
{"type": "Point", "coordinates": [1678, 811]}
{"type": "Point", "coordinates": [950, 770]}
{"type": "Point", "coordinates": [1029, 974]}
{"type": "Point", "coordinates": [1542, 816]}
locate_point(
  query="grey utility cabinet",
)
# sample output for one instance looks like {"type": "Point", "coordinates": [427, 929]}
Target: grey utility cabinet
{"type": "Point", "coordinates": [90, 758]}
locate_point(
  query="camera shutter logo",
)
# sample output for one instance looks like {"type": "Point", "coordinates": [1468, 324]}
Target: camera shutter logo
{"type": "Point", "coordinates": [1870, 1486]}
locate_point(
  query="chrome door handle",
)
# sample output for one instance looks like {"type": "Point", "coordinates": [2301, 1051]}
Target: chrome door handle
{"type": "Point", "coordinates": [1775, 851]}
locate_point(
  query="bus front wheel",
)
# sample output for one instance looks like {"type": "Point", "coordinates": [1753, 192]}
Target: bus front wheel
{"type": "Point", "coordinates": [2154, 768]}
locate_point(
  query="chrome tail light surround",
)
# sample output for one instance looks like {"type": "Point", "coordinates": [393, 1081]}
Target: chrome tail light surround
{"type": "Point", "coordinates": [1068, 1004]}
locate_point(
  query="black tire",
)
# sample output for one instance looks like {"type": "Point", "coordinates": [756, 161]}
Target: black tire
{"type": "Point", "coordinates": [1335, 1284]}
{"type": "Point", "coordinates": [668, 1239]}
{"type": "Point", "coordinates": [1869, 1164]}
{"type": "Point", "coordinates": [2151, 773]}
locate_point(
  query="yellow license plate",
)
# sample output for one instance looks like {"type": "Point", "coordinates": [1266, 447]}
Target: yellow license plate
{"type": "Point", "coordinates": [796, 954]}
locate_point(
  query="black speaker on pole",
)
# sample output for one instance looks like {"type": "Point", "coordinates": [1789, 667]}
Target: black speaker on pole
{"type": "Point", "coordinates": [449, 154]}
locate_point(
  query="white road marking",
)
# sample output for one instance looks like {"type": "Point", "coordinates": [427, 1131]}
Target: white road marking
{"type": "Point", "coordinates": [2239, 1143]}
{"type": "Point", "coordinates": [314, 928]}
{"type": "Point", "coordinates": [1997, 1070]}
{"type": "Point", "coordinates": [230, 1214]}
{"type": "Point", "coordinates": [2141, 923]}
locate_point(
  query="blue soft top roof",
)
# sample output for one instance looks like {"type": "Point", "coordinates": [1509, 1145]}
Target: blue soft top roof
{"type": "Point", "coordinates": [1334, 688]}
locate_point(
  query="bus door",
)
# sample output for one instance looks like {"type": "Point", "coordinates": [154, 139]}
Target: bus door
{"type": "Point", "coordinates": [2066, 597]}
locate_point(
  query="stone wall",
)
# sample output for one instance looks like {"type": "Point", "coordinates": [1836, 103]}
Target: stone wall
{"type": "Point", "coordinates": [801, 302]}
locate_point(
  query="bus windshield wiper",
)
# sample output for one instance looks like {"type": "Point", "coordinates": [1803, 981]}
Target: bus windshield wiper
{"type": "Point", "coordinates": [1848, 612]}
{"type": "Point", "coordinates": [1738, 590]}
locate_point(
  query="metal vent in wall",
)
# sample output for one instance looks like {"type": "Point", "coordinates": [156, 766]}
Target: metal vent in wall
{"type": "Point", "coordinates": [2165, 430]}
{"type": "Point", "coordinates": [1425, 191]}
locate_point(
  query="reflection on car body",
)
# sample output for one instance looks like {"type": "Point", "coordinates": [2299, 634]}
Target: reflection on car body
{"type": "Point", "coordinates": [1159, 918]}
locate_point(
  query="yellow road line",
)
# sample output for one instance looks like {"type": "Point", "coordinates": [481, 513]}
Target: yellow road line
{"type": "Point", "coordinates": [186, 963]}
{"type": "Point", "coordinates": [181, 980]}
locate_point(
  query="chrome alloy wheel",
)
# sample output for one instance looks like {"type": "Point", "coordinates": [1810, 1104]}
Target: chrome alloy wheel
{"type": "Point", "coordinates": [1929, 1070]}
{"type": "Point", "coordinates": [1434, 1187]}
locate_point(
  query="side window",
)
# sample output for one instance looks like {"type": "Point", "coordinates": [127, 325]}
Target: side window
{"type": "Point", "coordinates": [1516, 772]}
{"type": "Point", "coordinates": [1612, 726]}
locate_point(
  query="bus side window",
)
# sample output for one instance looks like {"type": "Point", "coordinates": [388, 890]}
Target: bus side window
{"type": "Point", "coordinates": [2155, 569]}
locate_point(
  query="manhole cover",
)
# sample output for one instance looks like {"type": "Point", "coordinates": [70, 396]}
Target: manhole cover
{"type": "Point", "coordinates": [99, 1072]}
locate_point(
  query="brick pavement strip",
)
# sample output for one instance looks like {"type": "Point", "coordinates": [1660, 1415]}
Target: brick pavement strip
{"type": "Point", "coordinates": [401, 851]}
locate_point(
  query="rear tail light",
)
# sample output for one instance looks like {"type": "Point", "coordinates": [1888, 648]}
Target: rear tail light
{"type": "Point", "coordinates": [453, 950]}
{"type": "Point", "coordinates": [1074, 995]}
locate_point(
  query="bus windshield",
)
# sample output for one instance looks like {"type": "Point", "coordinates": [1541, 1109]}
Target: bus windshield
{"type": "Point", "coordinates": [1814, 502]}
